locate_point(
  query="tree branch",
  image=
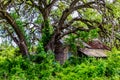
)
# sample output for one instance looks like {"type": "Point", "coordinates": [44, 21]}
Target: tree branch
{"type": "Point", "coordinates": [12, 22]}
{"type": "Point", "coordinates": [49, 6]}
{"type": "Point", "coordinates": [74, 30]}
{"type": "Point", "coordinates": [14, 38]}
{"type": "Point", "coordinates": [35, 5]}
{"type": "Point", "coordinates": [71, 9]}
{"type": "Point", "coordinates": [87, 22]}
{"type": "Point", "coordinates": [66, 12]}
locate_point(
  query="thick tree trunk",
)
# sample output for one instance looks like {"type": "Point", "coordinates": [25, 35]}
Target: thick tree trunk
{"type": "Point", "coordinates": [54, 44]}
{"type": "Point", "coordinates": [20, 40]}
{"type": "Point", "coordinates": [23, 47]}
{"type": "Point", "coordinates": [60, 53]}
{"type": "Point", "coordinates": [59, 50]}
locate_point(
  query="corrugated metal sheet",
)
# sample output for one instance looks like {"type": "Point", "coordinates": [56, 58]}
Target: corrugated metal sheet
{"type": "Point", "coordinates": [96, 44]}
{"type": "Point", "coordinates": [94, 52]}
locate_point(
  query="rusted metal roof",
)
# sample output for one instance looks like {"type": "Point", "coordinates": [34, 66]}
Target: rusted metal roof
{"type": "Point", "coordinates": [94, 48]}
{"type": "Point", "coordinates": [97, 44]}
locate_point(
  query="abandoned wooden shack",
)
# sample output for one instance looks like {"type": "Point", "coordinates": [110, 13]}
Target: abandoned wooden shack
{"type": "Point", "coordinates": [93, 48]}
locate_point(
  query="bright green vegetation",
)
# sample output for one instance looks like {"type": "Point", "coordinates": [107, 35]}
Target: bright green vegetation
{"type": "Point", "coordinates": [42, 66]}
{"type": "Point", "coordinates": [62, 26]}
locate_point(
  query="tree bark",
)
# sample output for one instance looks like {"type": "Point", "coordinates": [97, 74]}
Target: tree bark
{"type": "Point", "coordinates": [58, 48]}
{"type": "Point", "coordinates": [60, 54]}
{"type": "Point", "coordinates": [20, 40]}
{"type": "Point", "coordinates": [23, 48]}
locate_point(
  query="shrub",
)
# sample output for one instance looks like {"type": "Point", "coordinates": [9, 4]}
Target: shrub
{"type": "Point", "coordinates": [42, 66]}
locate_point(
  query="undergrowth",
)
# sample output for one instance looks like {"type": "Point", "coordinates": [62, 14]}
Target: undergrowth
{"type": "Point", "coordinates": [42, 66]}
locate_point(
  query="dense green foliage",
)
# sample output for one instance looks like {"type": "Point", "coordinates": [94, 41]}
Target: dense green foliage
{"type": "Point", "coordinates": [43, 67]}
{"type": "Point", "coordinates": [78, 38]}
{"type": "Point", "coordinates": [46, 30]}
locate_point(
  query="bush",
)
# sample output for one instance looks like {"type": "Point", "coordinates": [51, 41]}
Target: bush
{"type": "Point", "coordinates": [42, 66]}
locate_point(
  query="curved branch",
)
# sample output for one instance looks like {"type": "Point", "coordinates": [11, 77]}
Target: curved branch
{"type": "Point", "coordinates": [74, 30]}
{"type": "Point", "coordinates": [12, 22]}
{"type": "Point", "coordinates": [72, 8]}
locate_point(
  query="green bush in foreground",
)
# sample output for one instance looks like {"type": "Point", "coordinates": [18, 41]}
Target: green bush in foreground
{"type": "Point", "coordinates": [42, 66]}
